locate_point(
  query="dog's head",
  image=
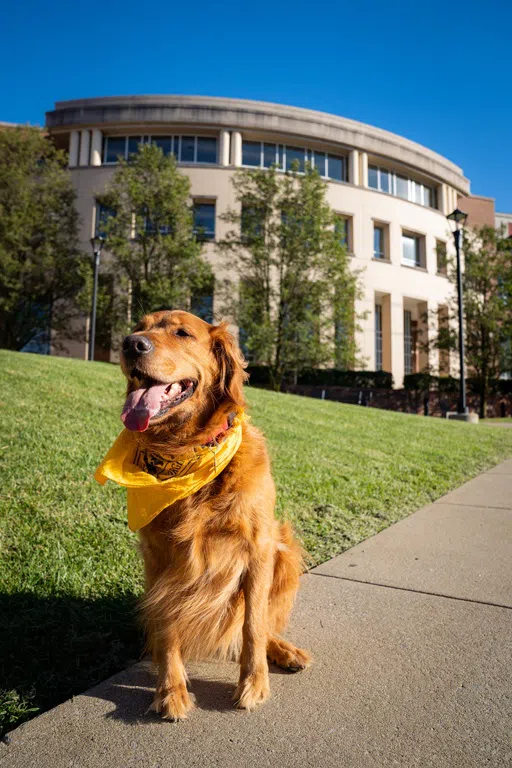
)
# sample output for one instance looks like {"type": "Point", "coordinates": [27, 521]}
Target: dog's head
{"type": "Point", "coordinates": [179, 367]}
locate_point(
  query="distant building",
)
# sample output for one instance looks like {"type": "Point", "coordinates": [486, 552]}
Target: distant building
{"type": "Point", "coordinates": [391, 193]}
{"type": "Point", "coordinates": [504, 220]}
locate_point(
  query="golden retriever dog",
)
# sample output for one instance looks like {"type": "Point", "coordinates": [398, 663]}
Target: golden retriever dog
{"type": "Point", "coordinates": [221, 572]}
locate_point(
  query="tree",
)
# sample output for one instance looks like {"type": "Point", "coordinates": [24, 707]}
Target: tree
{"type": "Point", "coordinates": [487, 298]}
{"type": "Point", "coordinates": [293, 299]}
{"type": "Point", "coordinates": [154, 255]}
{"type": "Point", "coordinates": [41, 268]}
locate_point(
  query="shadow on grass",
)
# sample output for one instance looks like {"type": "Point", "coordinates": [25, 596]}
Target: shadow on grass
{"type": "Point", "coordinates": [52, 648]}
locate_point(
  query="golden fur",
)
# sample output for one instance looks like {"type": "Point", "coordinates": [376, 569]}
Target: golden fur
{"type": "Point", "coordinates": [221, 572]}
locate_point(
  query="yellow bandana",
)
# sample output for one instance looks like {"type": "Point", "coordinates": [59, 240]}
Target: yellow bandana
{"type": "Point", "coordinates": [155, 483]}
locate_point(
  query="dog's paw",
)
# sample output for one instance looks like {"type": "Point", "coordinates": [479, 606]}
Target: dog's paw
{"type": "Point", "coordinates": [287, 656]}
{"type": "Point", "coordinates": [173, 703]}
{"type": "Point", "coordinates": [252, 690]}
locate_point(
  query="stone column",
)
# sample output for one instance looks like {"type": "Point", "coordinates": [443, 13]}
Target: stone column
{"type": "Point", "coordinates": [74, 142]}
{"type": "Point", "coordinates": [85, 142]}
{"type": "Point", "coordinates": [353, 173]}
{"type": "Point", "coordinates": [224, 148]}
{"type": "Point", "coordinates": [364, 169]}
{"type": "Point", "coordinates": [426, 357]}
{"type": "Point", "coordinates": [96, 147]}
{"type": "Point", "coordinates": [397, 339]}
{"type": "Point", "coordinates": [385, 302]}
{"type": "Point", "coordinates": [236, 149]}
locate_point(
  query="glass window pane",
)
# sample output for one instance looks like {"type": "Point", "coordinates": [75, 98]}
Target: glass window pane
{"type": "Point", "coordinates": [335, 168]}
{"type": "Point", "coordinates": [402, 187]}
{"type": "Point", "coordinates": [417, 193]}
{"type": "Point", "coordinates": [385, 181]}
{"type": "Point", "coordinates": [115, 146]}
{"type": "Point", "coordinates": [320, 162]}
{"type": "Point", "coordinates": [410, 251]}
{"type": "Point", "coordinates": [103, 214]}
{"type": "Point", "coordinates": [133, 144]}
{"type": "Point", "coordinates": [427, 196]}
{"type": "Point", "coordinates": [204, 220]}
{"type": "Point", "coordinates": [176, 147]}
{"type": "Point", "coordinates": [269, 155]}
{"type": "Point", "coordinates": [206, 150]}
{"type": "Point", "coordinates": [164, 142]}
{"type": "Point", "coordinates": [373, 177]}
{"type": "Point", "coordinates": [251, 153]}
{"type": "Point", "coordinates": [202, 305]}
{"type": "Point", "coordinates": [187, 149]}
{"type": "Point", "coordinates": [378, 243]}
{"type": "Point", "coordinates": [342, 228]}
{"type": "Point", "coordinates": [293, 155]}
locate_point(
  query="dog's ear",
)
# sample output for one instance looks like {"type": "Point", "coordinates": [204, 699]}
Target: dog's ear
{"type": "Point", "coordinates": [231, 365]}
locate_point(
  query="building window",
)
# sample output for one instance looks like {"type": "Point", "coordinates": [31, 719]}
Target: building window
{"type": "Point", "coordinates": [258, 154]}
{"type": "Point", "coordinates": [379, 242]}
{"type": "Point", "coordinates": [408, 343]}
{"type": "Point", "coordinates": [201, 304]}
{"type": "Point", "coordinates": [401, 186]}
{"type": "Point", "coordinates": [343, 227]}
{"type": "Point", "coordinates": [103, 214]}
{"type": "Point", "coordinates": [115, 147]}
{"type": "Point", "coordinates": [186, 149]}
{"type": "Point", "coordinates": [204, 220]}
{"type": "Point", "coordinates": [378, 337]}
{"type": "Point", "coordinates": [441, 257]}
{"type": "Point", "coordinates": [295, 155]}
{"type": "Point", "coordinates": [411, 250]}
{"type": "Point", "coordinates": [164, 142]}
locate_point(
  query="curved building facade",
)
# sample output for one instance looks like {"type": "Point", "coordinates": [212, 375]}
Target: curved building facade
{"type": "Point", "coordinates": [392, 193]}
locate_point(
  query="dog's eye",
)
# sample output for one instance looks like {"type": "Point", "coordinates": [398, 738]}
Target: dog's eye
{"type": "Point", "coordinates": [182, 332]}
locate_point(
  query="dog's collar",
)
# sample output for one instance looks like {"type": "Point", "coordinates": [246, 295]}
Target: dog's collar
{"type": "Point", "coordinates": [219, 432]}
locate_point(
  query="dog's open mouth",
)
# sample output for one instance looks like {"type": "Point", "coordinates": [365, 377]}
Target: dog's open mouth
{"type": "Point", "coordinates": [152, 400]}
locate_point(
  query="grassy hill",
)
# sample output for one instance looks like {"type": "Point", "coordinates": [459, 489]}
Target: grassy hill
{"type": "Point", "coordinates": [69, 571]}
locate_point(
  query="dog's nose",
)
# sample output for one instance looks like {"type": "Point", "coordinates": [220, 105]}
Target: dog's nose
{"type": "Point", "coordinates": [135, 346]}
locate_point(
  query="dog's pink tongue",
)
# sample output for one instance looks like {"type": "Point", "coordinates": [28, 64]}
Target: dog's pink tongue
{"type": "Point", "coordinates": [141, 405]}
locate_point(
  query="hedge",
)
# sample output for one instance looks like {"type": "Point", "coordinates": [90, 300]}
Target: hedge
{"type": "Point", "coordinates": [425, 381]}
{"type": "Point", "coordinates": [327, 377]}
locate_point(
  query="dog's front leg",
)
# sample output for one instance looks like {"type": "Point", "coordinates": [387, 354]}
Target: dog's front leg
{"type": "Point", "coordinates": [172, 699]}
{"type": "Point", "coordinates": [253, 687]}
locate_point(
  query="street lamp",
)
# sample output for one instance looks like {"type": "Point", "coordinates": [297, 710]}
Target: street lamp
{"type": "Point", "coordinates": [457, 220]}
{"type": "Point", "coordinates": [97, 246]}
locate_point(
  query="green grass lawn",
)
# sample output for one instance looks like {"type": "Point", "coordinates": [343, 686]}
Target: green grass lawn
{"type": "Point", "coordinates": [70, 574]}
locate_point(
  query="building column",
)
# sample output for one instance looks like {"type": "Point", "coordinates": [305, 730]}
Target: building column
{"type": "Point", "coordinates": [385, 302]}
{"type": "Point", "coordinates": [426, 317]}
{"type": "Point", "coordinates": [353, 174]}
{"type": "Point", "coordinates": [74, 143]}
{"type": "Point", "coordinates": [96, 147]}
{"type": "Point", "coordinates": [224, 148]}
{"type": "Point", "coordinates": [236, 149]}
{"type": "Point", "coordinates": [397, 339]}
{"type": "Point", "coordinates": [363, 176]}
{"type": "Point", "coordinates": [85, 143]}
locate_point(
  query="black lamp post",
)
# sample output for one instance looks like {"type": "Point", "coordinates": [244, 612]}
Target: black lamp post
{"type": "Point", "coordinates": [97, 246]}
{"type": "Point", "coordinates": [459, 219]}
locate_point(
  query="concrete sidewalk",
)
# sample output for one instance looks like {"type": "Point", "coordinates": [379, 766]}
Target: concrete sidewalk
{"type": "Point", "coordinates": [412, 635]}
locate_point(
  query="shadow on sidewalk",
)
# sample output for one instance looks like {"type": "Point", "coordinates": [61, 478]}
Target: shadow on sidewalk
{"type": "Point", "coordinates": [52, 648]}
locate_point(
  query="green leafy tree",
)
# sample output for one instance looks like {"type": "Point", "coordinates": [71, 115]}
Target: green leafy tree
{"type": "Point", "coordinates": [487, 298]}
{"type": "Point", "coordinates": [154, 257]}
{"type": "Point", "coordinates": [42, 271]}
{"type": "Point", "coordinates": [293, 297]}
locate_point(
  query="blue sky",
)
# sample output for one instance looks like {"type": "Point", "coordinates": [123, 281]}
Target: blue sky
{"type": "Point", "coordinates": [435, 72]}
